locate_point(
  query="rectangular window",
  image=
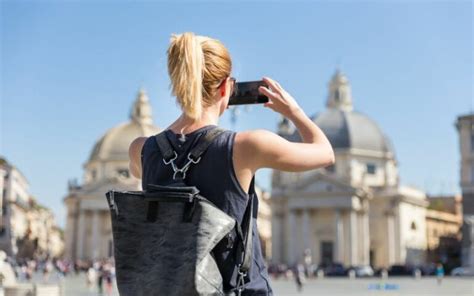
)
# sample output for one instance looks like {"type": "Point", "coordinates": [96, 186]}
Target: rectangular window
{"type": "Point", "coordinates": [472, 174]}
{"type": "Point", "coordinates": [472, 140]}
{"type": "Point", "coordinates": [327, 252]}
{"type": "Point", "coordinates": [371, 168]}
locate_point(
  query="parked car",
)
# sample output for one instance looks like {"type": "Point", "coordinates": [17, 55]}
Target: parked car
{"type": "Point", "coordinates": [400, 270]}
{"type": "Point", "coordinates": [335, 269]}
{"type": "Point", "coordinates": [462, 271]}
{"type": "Point", "coordinates": [362, 270]}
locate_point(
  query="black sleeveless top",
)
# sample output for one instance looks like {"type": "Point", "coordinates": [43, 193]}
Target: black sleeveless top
{"type": "Point", "coordinates": [215, 178]}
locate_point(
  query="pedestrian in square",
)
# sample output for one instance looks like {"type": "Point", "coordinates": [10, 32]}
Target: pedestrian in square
{"type": "Point", "coordinates": [439, 273]}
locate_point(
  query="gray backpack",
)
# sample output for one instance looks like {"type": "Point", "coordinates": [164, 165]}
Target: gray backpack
{"type": "Point", "coordinates": [164, 236]}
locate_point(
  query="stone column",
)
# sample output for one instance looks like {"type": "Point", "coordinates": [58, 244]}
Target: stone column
{"type": "Point", "coordinates": [306, 230]}
{"type": "Point", "coordinates": [277, 241]}
{"type": "Point", "coordinates": [353, 238]}
{"type": "Point", "coordinates": [469, 220]}
{"type": "Point", "coordinates": [95, 244]}
{"type": "Point", "coordinates": [291, 238]}
{"type": "Point", "coordinates": [366, 237]}
{"type": "Point", "coordinates": [400, 253]}
{"type": "Point", "coordinates": [339, 238]}
{"type": "Point", "coordinates": [80, 234]}
{"type": "Point", "coordinates": [390, 240]}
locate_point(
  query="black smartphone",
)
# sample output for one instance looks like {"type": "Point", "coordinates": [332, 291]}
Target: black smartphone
{"type": "Point", "coordinates": [247, 93]}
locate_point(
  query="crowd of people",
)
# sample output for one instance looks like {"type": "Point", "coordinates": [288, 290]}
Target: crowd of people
{"type": "Point", "coordinates": [99, 274]}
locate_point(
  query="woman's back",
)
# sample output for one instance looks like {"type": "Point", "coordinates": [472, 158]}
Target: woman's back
{"type": "Point", "coordinates": [215, 177]}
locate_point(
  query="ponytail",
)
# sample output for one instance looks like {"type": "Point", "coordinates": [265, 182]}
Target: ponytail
{"type": "Point", "coordinates": [185, 70]}
{"type": "Point", "coordinates": [196, 65]}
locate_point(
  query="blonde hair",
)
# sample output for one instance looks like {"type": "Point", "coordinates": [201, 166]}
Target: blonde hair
{"type": "Point", "coordinates": [196, 66]}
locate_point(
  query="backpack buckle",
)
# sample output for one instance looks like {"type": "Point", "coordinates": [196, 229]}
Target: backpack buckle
{"type": "Point", "coordinates": [240, 281]}
{"type": "Point", "coordinates": [184, 169]}
{"type": "Point", "coordinates": [183, 173]}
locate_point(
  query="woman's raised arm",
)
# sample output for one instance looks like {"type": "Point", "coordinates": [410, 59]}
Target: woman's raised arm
{"type": "Point", "coordinates": [266, 149]}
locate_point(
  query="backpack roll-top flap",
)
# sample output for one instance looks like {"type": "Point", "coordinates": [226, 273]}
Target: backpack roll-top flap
{"type": "Point", "coordinates": [169, 196]}
{"type": "Point", "coordinates": [159, 188]}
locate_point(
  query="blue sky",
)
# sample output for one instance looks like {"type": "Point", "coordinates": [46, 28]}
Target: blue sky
{"type": "Point", "coordinates": [71, 70]}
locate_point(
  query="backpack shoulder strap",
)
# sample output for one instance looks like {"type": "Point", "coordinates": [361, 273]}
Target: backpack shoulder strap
{"type": "Point", "coordinates": [247, 224]}
{"type": "Point", "coordinates": [204, 143]}
{"type": "Point", "coordinates": [194, 156]}
{"type": "Point", "coordinates": [169, 154]}
{"type": "Point", "coordinates": [244, 249]}
{"type": "Point", "coordinates": [165, 147]}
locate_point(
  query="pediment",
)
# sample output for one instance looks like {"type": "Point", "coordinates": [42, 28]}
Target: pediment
{"type": "Point", "coordinates": [98, 189]}
{"type": "Point", "coordinates": [319, 182]}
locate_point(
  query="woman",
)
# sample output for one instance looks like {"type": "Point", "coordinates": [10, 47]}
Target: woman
{"type": "Point", "coordinates": [200, 69]}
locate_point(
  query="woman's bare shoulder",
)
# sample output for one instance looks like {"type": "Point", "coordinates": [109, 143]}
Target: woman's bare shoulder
{"type": "Point", "coordinates": [134, 153]}
{"type": "Point", "coordinates": [137, 145]}
{"type": "Point", "coordinates": [248, 146]}
{"type": "Point", "coordinates": [252, 139]}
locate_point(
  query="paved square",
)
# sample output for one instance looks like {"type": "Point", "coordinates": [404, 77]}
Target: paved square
{"type": "Point", "coordinates": [404, 286]}
{"type": "Point", "coordinates": [367, 287]}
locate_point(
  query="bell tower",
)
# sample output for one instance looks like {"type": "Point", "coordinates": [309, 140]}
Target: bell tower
{"type": "Point", "coordinates": [340, 96]}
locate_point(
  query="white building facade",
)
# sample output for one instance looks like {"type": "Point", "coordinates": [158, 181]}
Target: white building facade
{"type": "Point", "coordinates": [27, 229]}
{"type": "Point", "coordinates": [354, 212]}
{"type": "Point", "coordinates": [465, 128]}
{"type": "Point", "coordinates": [88, 233]}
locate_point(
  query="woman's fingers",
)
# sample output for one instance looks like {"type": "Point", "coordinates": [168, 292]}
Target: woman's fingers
{"type": "Point", "coordinates": [269, 104]}
{"type": "Point", "coordinates": [280, 100]}
{"type": "Point", "coordinates": [268, 93]}
{"type": "Point", "coordinates": [272, 83]}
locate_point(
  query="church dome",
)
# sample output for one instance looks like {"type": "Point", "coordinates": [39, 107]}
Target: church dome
{"type": "Point", "coordinates": [114, 144]}
{"type": "Point", "coordinates": [344, 127]}
{"type": "Point", "coordinates": [350, 129]}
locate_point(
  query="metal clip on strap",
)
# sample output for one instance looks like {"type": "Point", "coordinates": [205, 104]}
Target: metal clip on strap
{"type": "Point", "coordinates": [169, 155]}
{"type": "Point", "coordinates": [170, 160]}
{"type": "Point", "coordinates": [184, 169]}
{"type": "Point", "coordinates": [240, 281]}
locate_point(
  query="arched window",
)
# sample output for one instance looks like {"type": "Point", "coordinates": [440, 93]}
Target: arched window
{"type": "Point", "coordinates": [337, 95]}
{"type": "Point", "coordinates": [413, 225]}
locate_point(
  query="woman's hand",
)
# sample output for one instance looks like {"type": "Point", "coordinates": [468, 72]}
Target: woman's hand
{"type": "Point", "coordinates": [279, 100]}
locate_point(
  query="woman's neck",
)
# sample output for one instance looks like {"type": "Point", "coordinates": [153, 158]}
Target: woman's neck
{"type": "Point", "coordinates": [185, 124]}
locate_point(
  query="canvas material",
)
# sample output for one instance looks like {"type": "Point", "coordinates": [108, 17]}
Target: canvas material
{"type": "Point", "coordinates": [168, 256]}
